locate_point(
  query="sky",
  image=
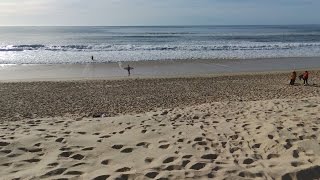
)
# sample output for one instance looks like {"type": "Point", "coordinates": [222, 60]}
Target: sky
{"type": "Point", "coordinates": [157, 12]}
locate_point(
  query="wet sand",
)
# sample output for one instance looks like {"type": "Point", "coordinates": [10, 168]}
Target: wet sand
{"type": "Point", "coordinates": [246, 126]}
{"type": "Point", "coordinates": [147, 69]}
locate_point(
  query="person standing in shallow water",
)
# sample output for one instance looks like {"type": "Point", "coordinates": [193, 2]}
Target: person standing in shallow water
{"type": "Point", "coordinates": [293, 77]}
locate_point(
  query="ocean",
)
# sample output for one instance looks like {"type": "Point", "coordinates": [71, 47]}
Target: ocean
{"type": "Point", "coordinates": [73, 45]}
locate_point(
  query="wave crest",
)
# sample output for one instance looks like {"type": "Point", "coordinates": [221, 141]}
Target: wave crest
{"type": "Point", "coordinates": [181, 47]}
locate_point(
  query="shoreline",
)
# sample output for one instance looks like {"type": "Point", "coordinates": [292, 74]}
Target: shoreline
{"type": "Point", "coordinates": [153, 69]}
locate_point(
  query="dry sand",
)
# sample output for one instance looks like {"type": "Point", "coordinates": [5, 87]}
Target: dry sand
{"type": "Point", "coordinates": [229, 127]}
{"type": "Point", "coordinates": [21, 100]}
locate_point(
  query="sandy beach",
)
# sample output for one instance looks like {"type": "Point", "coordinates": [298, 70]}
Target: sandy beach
{"type": "Point", "coordinates": [245, 126]}
{"type": "Point", "coordinates": [152, 69]}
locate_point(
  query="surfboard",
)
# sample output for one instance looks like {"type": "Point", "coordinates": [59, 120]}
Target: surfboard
{"type": "Point", "coordinates": [128, 68]}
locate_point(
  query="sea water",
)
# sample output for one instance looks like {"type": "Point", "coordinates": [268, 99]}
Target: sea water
{"type": "Point", "coordinates": [70, 45]}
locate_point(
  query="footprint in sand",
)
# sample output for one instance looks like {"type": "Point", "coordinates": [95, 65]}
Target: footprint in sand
{"type": "Point", "coordinates": [34, 150]}
{"type": "Point", "coordinates": [148, 160]}
{"type": "Point", "coordinates": [13, 155]}
{"type": "Point", "coordinates": [122, 177]}
{"type": "Point", "coordinates": [143, 131]}
{"type": "Point", "coordinates": [124, 169]}
{"type": "Point", "coordinates": [198, 166]}
{"type": "Point", "coordinates": [49, 136]}
{"type": "Point", "coordinates": [164, 146]}
{"type": "Point", "coordinates": [32, 160]}
{"type": "Point", "coordinates": [77, 157]}
{"type": "Point", "coordinates": [82, 133]}
{"type": "Point", "coordinates": [187, 156]}
{"type": "Point", "coordinates": [288, 145]}
{"type": "Point", "coordinates": [117, 146]}
{"type": "Point", "coordinates": [6, 151]}
{"type": "Point", "coordinates": [37, 144]}
{"type": "Point", "coordinates": [270, 136]}
{"type": "Point", "coordinates": [6, 164]}
{"type": "Point", "coordinates": [78, 164]}
{"type": "Point", "coordinates": [59, 140]}
{"type": "Point", "coordinates": [65, 148]}
{"type": "Point", "coordinates": [169, 160]}
{"type": "Point", "coordinates": [296, 164]}
{"type": "Point", "coordinates": [53, 164]}
{"type": "Point", "coordinates": [104, 137]}
{"type": "Point", "coordinates": [233, 149]}
{"type": "Point", "coordinates": [210, 156]}
{"type": "Point", "coordinates": [250, 175]}
{"type": "Point", "coordinates": [102, 177]}
{"type": "Point", "coordinates": [234, 137]}
{"type": "Point", "coordinates": [300, 125]}
{"type": "Point", "coordinates": [256, 146]}
{"type": "Point", "coordinates": [74, 173]}
{"type": "Point", "coordinates": [105, 162]}
{"type": "Point", "coordinates": [54, 173]}
{"type": "Point", "coordinates": [151, 174]}
{"type": "Point", "coordinates": [185, 163]}
{"type": "Point", "coordinates": [143, 144]}
{"type": "Point", "coordinates": [173, 168]}
{"type": "Point", "coordinates": [248, 161]}
{"type": "Point", "coordinates": [130, 127]}
{"type": "Point", "coordinates": [271, 156]}
{"type": "Point", "coordinates": [88, 149]}
{"type": "Point", "coordinates": [127, 150]}
{"type": "Point", "coordinates": [66, 154]}
{"type": "Point", "coordinates": [4, 143]}
{"type": "Point", "coordinates": [295, 153]}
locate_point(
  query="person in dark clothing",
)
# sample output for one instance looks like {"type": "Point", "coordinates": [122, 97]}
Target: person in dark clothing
{"type": "Point", "coordinates": [305, 77]}
{"type": "Point", "coordinates": [293, 77]}
{"type": "Point", "coordinates": [129, 69]}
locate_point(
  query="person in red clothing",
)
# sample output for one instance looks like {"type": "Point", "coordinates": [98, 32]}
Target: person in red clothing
{"type": "Point", "coordinates": [305, 77]}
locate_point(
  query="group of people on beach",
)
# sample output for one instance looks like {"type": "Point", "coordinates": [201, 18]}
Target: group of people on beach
{"type": "Point", "coordinates": [304, 77]}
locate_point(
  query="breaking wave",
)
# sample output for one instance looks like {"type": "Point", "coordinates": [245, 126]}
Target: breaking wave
{"type": "Point", "coordinates": [182, 47]}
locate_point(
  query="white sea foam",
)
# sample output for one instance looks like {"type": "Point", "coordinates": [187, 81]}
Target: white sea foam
{"type": "Point", "coordinates": [50, 45]}
{"type": "Point", "coordinates": [172, 47]}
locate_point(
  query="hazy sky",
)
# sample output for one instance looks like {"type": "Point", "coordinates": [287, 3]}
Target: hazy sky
{"type": "Point", "coordinates": [158, 12]}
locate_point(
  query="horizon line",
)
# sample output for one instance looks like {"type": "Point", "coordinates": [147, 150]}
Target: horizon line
{"type": "Point", "coordinates": [155, 25]}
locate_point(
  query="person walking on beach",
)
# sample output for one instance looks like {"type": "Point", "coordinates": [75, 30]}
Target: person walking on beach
{"type": "Point", "coordinates": [129, 69]}
{"type": "Point", "coordinates": [92, 58]}
{"type": "Point", "coordinates": [293, 77]}
{"type": "Point", "coordinates": [305, 77]}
